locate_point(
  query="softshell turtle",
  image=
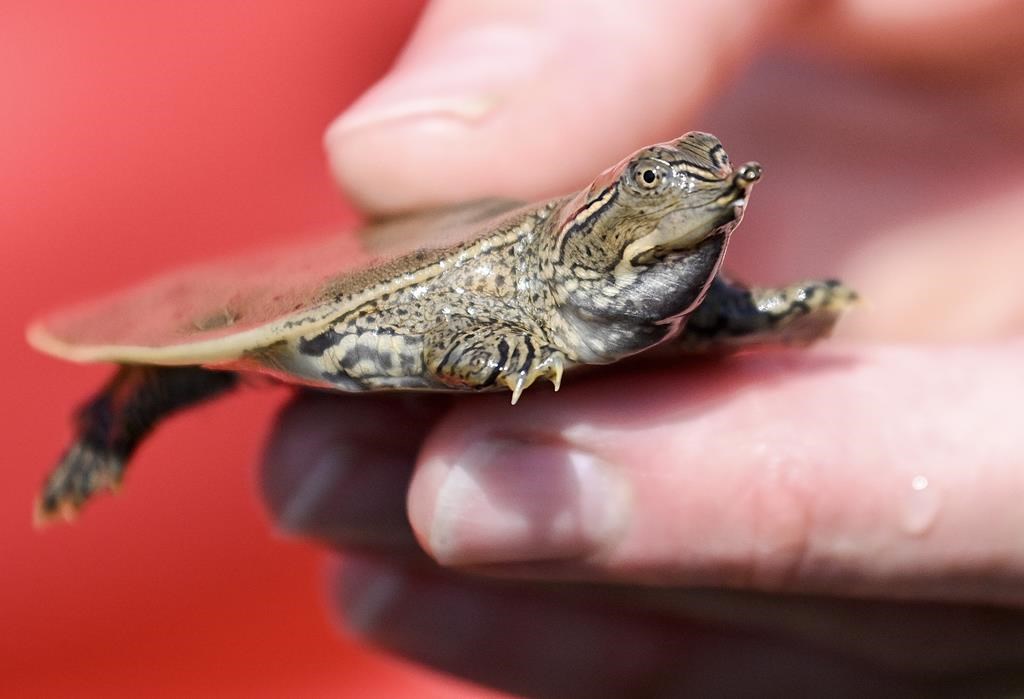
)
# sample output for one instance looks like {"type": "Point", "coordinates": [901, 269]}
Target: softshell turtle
{"type": "Point", "coordinates": [484, 296]}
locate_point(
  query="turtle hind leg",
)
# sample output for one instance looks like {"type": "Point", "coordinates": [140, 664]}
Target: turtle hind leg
{"type": "Point", "coordinates": [113, 423]}
{"type": "Point", "coordinates": [733, 317]}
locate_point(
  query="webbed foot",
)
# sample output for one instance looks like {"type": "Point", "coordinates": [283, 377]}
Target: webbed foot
{"type": "Point", "coordinates": [111, 425]}
{"type": "Point", "coordinates": [477, 355]}
{"type": "Point", "coordinates": [84, 470]}
{"type": "Point", "coordinates": [734, 317]}
{"type": "Point", "coordinates": [802, 313]}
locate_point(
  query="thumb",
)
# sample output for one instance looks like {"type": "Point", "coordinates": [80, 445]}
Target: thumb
{"type": "Point", "coordinates": [547, 93]}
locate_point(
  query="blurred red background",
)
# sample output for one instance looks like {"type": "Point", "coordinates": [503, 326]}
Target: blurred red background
{"type": "Point", "coordinates": [134, 137]}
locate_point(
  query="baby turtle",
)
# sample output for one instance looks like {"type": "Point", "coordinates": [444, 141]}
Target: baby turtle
{"type": "Point", "coordinates": [484, 296]}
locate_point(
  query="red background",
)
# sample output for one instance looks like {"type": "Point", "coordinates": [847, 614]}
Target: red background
{"type": "Point", "coordinates": [133, 137]}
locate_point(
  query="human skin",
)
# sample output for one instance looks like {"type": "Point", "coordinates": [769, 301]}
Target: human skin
{"type": "Point", "coordinates": [848, 517]}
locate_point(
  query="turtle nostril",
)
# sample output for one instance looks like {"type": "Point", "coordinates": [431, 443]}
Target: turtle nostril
{"type": "Point", "coordinates": [749, 173]}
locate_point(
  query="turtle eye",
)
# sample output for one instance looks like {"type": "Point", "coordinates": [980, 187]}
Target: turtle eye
{"type": "Point", "coordinates": [649, 176]}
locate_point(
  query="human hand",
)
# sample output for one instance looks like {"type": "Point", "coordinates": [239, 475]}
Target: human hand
{"type": "Point", "coordinates": [852, 513]}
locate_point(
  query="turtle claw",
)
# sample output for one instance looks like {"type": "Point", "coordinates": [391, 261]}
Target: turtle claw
{"type": "Point", "coordinates": [519, 386]}
{"type": "Point", "coordinates": [556, 366]}
{"type": "Point", "coordinates": [551, 368]}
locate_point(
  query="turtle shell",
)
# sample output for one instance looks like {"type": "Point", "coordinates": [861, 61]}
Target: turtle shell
{"type": "Point", "coordinates": [213, 313]}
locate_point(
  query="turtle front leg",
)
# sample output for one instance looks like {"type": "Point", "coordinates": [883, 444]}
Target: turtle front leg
{"type": "Point", "coordinates": [111, 425]}
{"type": "Point", "coordinates": [478, 354]}
{"type": "Point", "coordinates": [733, 317]}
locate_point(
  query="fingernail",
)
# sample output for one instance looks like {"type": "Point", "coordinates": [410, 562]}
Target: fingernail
{"type": "Point", "coordinates": [463, 78]}
{"type": "Point", "coordinates": [513, 501]}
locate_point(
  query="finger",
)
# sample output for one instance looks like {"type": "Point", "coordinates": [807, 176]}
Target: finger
{"type": "Point", "coordinates": [886, 472]}
{"type": "Point", "coordinates": [337, 468]}
{"type": "Point", "coordinates": [909, 267]}
{"type": "Point", "coordinates": [858, 187]}
{"type": "Point", "coordinates": [526, 99]}
{"type": "Point", "coordinates": [553, 645]}
{"type": "Point", "coordinates": [974, 638]}
{"type": "Point", "coordinates": [950, 37]}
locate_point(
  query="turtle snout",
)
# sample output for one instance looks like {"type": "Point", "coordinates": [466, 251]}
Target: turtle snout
{"type": "Point", "coordinates": [748, 174]}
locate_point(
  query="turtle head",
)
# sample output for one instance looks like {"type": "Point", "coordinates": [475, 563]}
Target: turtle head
{"type": "Point", "coordinates": [637, 249]}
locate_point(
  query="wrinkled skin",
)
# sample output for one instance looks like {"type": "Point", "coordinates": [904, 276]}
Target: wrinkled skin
{"type": "Point", "coordinates": [854, 511]}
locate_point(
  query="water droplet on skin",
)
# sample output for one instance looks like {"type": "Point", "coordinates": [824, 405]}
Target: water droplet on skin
{"type": "Point", "coordinates": [920, 506]}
